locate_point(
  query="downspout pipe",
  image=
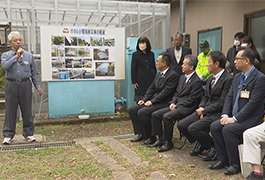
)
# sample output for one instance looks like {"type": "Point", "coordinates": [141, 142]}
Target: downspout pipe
{"type": "Point", "coordinates": [182, 15]}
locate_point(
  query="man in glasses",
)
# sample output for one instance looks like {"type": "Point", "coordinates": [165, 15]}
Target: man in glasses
{"type": "Point", "coordinates": [243, 109]}
{"type": "Point", "coordinates": [20, 69]}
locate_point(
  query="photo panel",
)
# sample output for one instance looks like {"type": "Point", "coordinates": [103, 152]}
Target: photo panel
{"type": "Point", "coordinates": [70, 41]}
{"type": "Point", "coordinates": [109, 41]}
{"type": "Point", "coordinates": [88, 74]}
{"type": "Point", "coordinates": [87, 63]}
{"type": "Point", "coordinates": [101, 54]}
{"type": "Point", "coordinates": [61, 73]}
{"type": "Point", "coordinates": [57, 51]}
{"type": "Point", "coordinates": [105, 69]}
{"type": "Point", "coordinates": [57, 40]}
{"type": "Point", "coordinates": [96, 41]}
{"type": "Point", "coordinates": [83, 41]}
{"type": "Point", "coordinates": [83, 52]}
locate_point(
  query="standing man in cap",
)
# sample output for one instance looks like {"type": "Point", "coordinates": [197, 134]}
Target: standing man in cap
{"type": "Point", "coordinates": [20, 68]}
{"type": "Point", "coordinates": [202, 69]}
{"type": "Point", "coordinates": [177, 53]}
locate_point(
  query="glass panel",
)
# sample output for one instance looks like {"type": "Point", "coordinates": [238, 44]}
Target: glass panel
{"type": "Point", "coordinates": [213, 37]}
{"type": "Point", "coordinates": [258, 34]}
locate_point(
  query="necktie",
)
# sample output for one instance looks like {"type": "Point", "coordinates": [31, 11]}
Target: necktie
{"type": "Point", "coordinates": [184, 82]}
{"type": "Point", "coordinates": [177, 48]}
{"type": "Point", "coordinates": [239, 88]}
{"type": "Point", "coordinates": [161, 74]}
{"type": "Point", "coordinates": [213, 82]}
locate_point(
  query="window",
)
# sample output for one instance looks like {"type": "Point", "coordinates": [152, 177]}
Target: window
{"type": "Point", "coordinates": [254, 25]}
{"type": "Point", "coordinates": [213, 36]}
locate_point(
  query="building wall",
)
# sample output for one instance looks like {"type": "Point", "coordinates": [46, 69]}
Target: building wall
{"type": "Point", "coordinates": [206, 14]}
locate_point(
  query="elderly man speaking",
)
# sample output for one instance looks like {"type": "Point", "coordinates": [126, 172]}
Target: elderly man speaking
{"type": "Point", "coordinates": [20, 68]}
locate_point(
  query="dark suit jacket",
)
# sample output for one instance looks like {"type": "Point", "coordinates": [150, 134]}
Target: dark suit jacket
{"type": "Point", "coordinates": [174, 64]}
{"type": "Point", "coordinates": [213, 100]}
{"type": "Point", "coordinates": [187, 98]}
{"type": "Point", "coordinates": [162, 88]}
{"type": "Point", "coordinates": [250, 111]}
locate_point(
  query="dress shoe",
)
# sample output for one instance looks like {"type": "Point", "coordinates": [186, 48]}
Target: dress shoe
{"type": "Point", "coordinates": [217, 165]}
{"type": "Point", "coordinates": [140, 137]}
{"type": "Point", "coordinates": [211, 155]}
{"type": "Point", "coordinates": [197, 151]}
{"type": "Point", "coordinates": [231, 170]}
{"type": "Point", "coordinates": [167, 146]}
{"type": "Point", "coordinates": [150, 140]}
{"type": "Point", "coordinates": [158, 143]}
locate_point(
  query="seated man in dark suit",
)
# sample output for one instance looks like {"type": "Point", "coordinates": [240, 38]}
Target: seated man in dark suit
{"type": "Point", "coordinates": [211, 105]}
{"type": "Point", "coordinates": [156, 97]}
{"type": "Point", "coordinates": [184, 102]}
{"type": "Point", "coordinates": [243, 109]}
{"type": "Point", "coordinates": [178, 52]}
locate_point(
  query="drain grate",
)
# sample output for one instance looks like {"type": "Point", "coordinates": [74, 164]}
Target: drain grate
{"type": "Point", "coordinates": [35, 145]}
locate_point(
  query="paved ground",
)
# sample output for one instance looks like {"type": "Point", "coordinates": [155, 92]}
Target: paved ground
{"type": "Point", "coordinates": [174, 156]}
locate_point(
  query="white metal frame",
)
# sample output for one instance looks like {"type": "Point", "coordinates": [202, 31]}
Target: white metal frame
{"type": "Point", "coordinates": [139, 19]}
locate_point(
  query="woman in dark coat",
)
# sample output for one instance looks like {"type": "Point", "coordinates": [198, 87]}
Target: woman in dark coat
{"type": "Point", "coordinates": [247, 41]}
{"type": "Point", "coordinates": [143, 69]}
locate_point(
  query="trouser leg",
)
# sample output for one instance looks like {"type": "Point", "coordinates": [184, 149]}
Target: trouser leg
{"type": "Point", "coordinates": [157, 117]}
{"type": "Point", "coordinates": [230, 134]}
{"type": "Point", "coordinates": [216, 131]}
{"type": "Point", "coordinates": [251, 147]}
{"type": "Point", "coordinates": [200, 131]}
{"type": "Point", "coordinates": [137, 125]}
{"type": "Point", "coordinates": [169, 120]}
{"type": "Point", "coordinates": [25, 103]}
{"type": "Point", "coordinates": [145, 114]}
{"type": "Point", "coordinates": [184, 124]}
{"type": "Point", "coordinates": [11, 103]}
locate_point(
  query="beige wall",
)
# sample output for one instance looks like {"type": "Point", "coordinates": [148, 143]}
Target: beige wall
{"type": "Point", "coordinates": [207, 14]}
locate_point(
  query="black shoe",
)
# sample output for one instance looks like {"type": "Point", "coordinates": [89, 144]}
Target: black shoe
{"type": "Point", "coordinates": [253, 176]}
{"type": "Point", "coordinates": [231, 170]}
{"type": "Point", "coordinates": [140, 137]}
{"type": "Point", "coordinates": [197, 151]}
{"type": "Point", "coordinates": [166, 147]}
{"type": "Point", "coordinates": [217, 165]}
{"type": "Point", "coordinates": [211, 155]}
{"type": "Point", "coordinates": [156, 144]}
{"type": "Point", "coordinates": [150, 140]}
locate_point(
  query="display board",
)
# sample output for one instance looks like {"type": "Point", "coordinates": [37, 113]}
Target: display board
{"type": "Point", "coordinates": [82, 53]}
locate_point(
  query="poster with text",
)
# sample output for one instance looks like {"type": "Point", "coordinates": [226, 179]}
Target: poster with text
{"type": "Point", "coordinates": [80, 53]}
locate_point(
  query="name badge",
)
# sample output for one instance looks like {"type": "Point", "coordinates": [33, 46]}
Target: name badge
{"type": "Point", "coordinates": [244, 94]}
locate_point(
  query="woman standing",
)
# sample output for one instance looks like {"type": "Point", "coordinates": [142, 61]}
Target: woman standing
{"type": "Point", "coordinates": [247, 41]}
{"type": "Point", "coordinates": [143, 69]}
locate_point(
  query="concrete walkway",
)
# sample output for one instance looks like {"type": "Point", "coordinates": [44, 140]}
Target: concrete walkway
{"type": "Point", "coordinates": [119, 172]}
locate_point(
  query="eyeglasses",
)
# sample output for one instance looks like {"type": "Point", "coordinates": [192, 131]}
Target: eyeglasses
{"type": "Point", "coordinates": [236, 59]}
{"type": "Point", "coordinates": [15, 40]}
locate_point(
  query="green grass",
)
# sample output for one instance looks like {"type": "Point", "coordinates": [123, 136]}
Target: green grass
{"type": "Point", "coordinates": [52, 163]}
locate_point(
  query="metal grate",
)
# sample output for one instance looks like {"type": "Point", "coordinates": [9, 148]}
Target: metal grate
{"type": "Point", "coordinates": [35, 145]}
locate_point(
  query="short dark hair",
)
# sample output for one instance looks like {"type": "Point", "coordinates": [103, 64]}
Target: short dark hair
{"type": "Point", "coordinates": [144, 40]}
{"type": "Point", "coordinates": [179, 34]}
{"type": "Point", "coordinates": [239, 35]}
{"type": "Point", "coordinates": [193, 61]}
{"type": "Point", "coordinates": [218, 56]}
{"type": "Point", "coordinates": [165, 58]}
{"type": "Point", "coordinates": [248, 53]}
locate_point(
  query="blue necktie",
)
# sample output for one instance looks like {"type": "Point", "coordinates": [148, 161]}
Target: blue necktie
{"type": "Point", "coordinates": [239, 88]}
{"type": "Point", "coordinates": [177, 48]}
